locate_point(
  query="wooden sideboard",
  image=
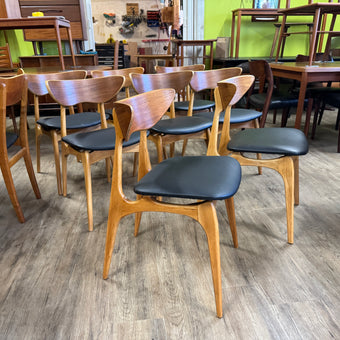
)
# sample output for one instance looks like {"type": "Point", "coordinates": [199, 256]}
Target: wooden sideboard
{"type": "Point", "coordinates": [72, 10]}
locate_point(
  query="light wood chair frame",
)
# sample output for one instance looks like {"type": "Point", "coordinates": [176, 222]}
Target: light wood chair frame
{"type": "Point", "coordinates": [95, 91]}
{"type": "Point", "coordinates": [37, 86]}
{"type": "Point", "coordinates": [146, 109]}
{"type": "Point", "coordinates": [8, 97]}
{"type": "Point", "coordinates": [286, 166]}
{"type": "Point", "coordinates": [170, 80]}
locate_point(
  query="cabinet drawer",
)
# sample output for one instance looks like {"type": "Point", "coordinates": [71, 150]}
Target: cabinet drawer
{"type": "Point", "coordinates": [49, 34]}
{"type": "Point", "coordinates": [47, 2]}
{"type": "Point", "coordinates": [71, 13]}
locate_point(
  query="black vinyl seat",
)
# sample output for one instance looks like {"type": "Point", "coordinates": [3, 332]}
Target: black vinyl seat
{"type": "Point", "coordinates": [288, 142]}
{"type": "Point", "coordinates": [199, 105]}
{"type": "Point", "coordinates": [237, 115]}
{"type": "Point", "coordinates": [192, 177]}
{"type": "Point", "coordinates": [11, 138]}
{"type": "Point", "coordinates": [103, 139]}
{"type": "Point", "coordinates": [76, 121]}
{"type": "Point", "coordinates": [182, 125]}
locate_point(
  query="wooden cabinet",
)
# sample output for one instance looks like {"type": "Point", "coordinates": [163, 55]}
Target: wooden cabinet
{"type": "Point", "coordinates": [72, 10]}
{"type": "Point", "coordinates": [9, 9]}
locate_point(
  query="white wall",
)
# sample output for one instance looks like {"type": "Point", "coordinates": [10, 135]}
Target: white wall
{"type": "Point", "coordinates": [102, 31]}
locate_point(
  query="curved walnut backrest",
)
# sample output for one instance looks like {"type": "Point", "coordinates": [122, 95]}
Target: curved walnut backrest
{"type": "Point", "coordinates": [90, 90]}
{"type": "Point", "coordinates": [207, 80]}
{"type": "Point", "coordinates": [148, 82]}
{"type": "Point", "coordinates": [37, 82]}
{"type": "Point", "coordinates": [143, 111]}
{"type": "Point", "coordinates": [168, 69]}
{"type": "Point", "coordinates": [120, 72]}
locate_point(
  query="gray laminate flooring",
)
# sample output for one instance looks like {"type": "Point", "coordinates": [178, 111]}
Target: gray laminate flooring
{"type": "Point", "coordinates": [160, 284]}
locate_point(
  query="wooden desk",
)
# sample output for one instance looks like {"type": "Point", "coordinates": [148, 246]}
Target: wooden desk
{"type": "Point", "coordinates": [40, 23]}
{"type": "Point", "coordinates": [318, 72]}
{"type": "Point", "coordinates": [239, 13]}
{"type": "Point", "coordinates": [149, 57]}
{"type": "Point", "coordinates": [318, 11]}
{"type": "Point", "coordinates": [203, 43]}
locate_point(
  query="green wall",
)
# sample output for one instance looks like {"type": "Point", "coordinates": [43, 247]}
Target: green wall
{"type": "Point", "coordinates": [20, 47]}
{"type": "Point", "coordinates": [256, 37]}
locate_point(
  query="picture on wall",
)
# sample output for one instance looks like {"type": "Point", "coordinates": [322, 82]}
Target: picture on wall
{"type": "Point", "coordinates": [266, 4]}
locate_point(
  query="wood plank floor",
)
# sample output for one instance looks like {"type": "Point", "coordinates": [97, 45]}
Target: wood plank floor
{"type": "Point", "coordinates": [160, 284]}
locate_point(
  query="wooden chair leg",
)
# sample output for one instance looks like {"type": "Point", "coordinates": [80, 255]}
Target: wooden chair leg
{"type": "Point", "coordinates": [112, 227]}
{"type": "Point", "coordinates": [7, 175]}
{"type": "Point", "coordinates": [138, 217]}
{"type": "Point", "coordinates": [172, 150]}
{"type": "Point", "coordinates": [308, 115]}
{"type": "Point", "coordinates": [135, 164]}
{"type": "Point", "coordinates": [108, 169]}
{"type": "Point", "coordinates": [30, 171]}
{"type": "Point", "coordinates": [185, 142]}
{"type": "Point", "coordinates": [88, 187]}
{"type": "Point", "coordinates": [11, 115]}
{"type": "Point", "coordinates": [37, 147]}
{"type": "Point", "coordinates": [57, 160]}
{"type": "Point", "coordinates": [64, 156]}
{"type": "Point", "coordinates": [337, 120]}
{"type": "Point", "coordinates": [159, 146]}
{"type": "Point", "coordinates": [229, 203]}
{"type": "Point", "coordinates": [286, 170]}
{"type": "Point", "coordinates": [296, 180]}
{"type": "Point", "coordinates": [208, 220]}
{"type": "Point", "coordinates": [274, 116]}
{"type": "Point", "coordinates": [258, 155]}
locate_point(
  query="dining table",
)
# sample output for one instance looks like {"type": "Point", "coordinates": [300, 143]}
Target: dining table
{"type": "Point", "coordinates": [306, 74]}
{"type": "Point", "coordinates": [55, 23]}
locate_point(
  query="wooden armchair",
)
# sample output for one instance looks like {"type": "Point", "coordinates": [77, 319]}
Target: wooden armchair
{"type": "Point", "coordinates": [12, 91]}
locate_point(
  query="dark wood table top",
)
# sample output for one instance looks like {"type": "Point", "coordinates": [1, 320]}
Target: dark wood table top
{"type": "Point", "coordinates": [33, 22]}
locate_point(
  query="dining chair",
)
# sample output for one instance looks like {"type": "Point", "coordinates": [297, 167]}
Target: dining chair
{"type": "Point", "coordinates": [185, 94]}
{"type": "Point", "coordinates": [13, 90]}
{"type": "Point", "coordinates": [120, 72]}
{"type": "Point", "coordinates": [204, 179]}
{"type": "Point", "coordinates": [284, 145]}
{"type": "Point", "coordinates": [168, 131]}
{"type": "Point", "coordinates": [329, 97]}
{"type": "Point", "coordinates": [127, 85]}
{"type": "Point", "coordinates": [88, 146]}
{"type": "Point", "coordinates": [269, 98]}
{"type": "Point", "coordinates": [5, 57]}
{"type": "Point", "coordinates": [51, 125]}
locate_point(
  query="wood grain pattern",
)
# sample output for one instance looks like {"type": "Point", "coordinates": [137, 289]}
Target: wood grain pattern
{"type": "Point", "coordinates": [160, 283]}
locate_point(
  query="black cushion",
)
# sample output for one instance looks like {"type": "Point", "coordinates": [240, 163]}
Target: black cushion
{"type": "Point", "coordinates": [194, 177]}
{"type": "Point", "coordinates": [283, 141]}
{"type": "Point", "coordinates": [333, 98]}
{"type": "Point", "coordinates": [103, 139]}
{"type": "Point", "coordinates": [236, 115]}
{"type": "Point", "coordinates": [182, 125]}
{"type": "Point", "coordinates": [76, 121]}
{"type": "Point", "coordinates": [199, 105]}
{"type": "Point", "coordinates": [11, 138]}
{"type": "Point", "coordinates": [277, 101]}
